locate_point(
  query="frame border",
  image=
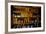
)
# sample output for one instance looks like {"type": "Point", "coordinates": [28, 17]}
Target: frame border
{"type": "Point", "coordinates": [6, 17]}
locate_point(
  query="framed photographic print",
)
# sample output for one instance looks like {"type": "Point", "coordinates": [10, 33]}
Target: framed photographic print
{"type": "Point", "coordinates": [25, 17]}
